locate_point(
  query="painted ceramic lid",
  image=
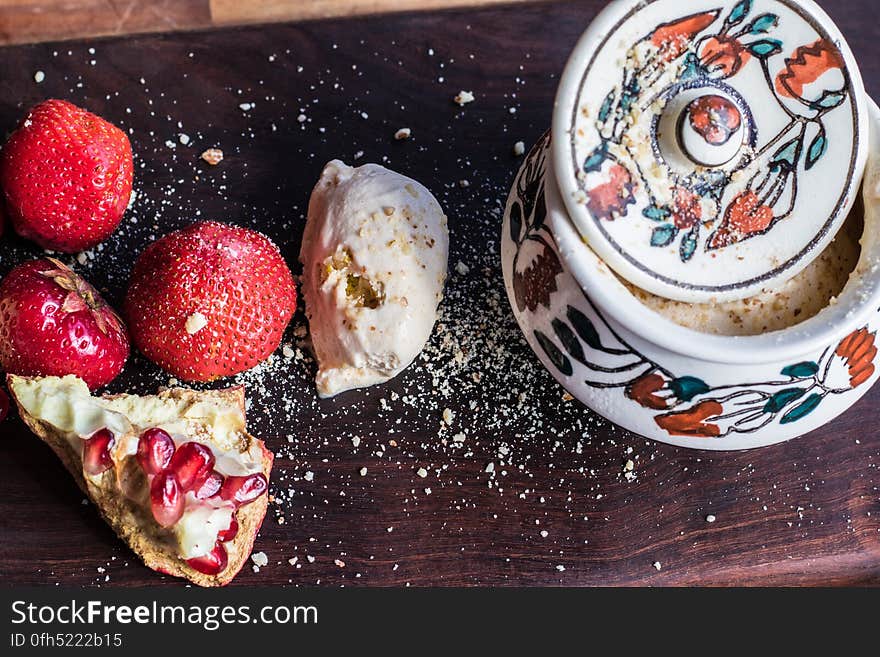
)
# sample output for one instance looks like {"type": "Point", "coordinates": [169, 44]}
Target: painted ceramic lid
{"type": "Point", "coordinates": [710, 149]}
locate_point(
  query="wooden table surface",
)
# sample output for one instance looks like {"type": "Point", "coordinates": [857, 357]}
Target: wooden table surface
{"type": "Point", "coordinates": [553, 507]}
{"type": "Point", "coordinates": [34, 21]}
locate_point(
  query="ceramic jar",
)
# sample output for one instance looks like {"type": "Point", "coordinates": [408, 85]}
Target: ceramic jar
{"type": "Point", "coordinates": [631, 364]}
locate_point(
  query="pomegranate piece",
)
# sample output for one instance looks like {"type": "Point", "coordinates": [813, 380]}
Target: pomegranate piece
{"type": "Point", "coordinates": [212, 563]}
{"type": "Point", "coordinates": [155, 449]}
{"type": "Point", "coordinates": [209, 486]}
{"type": "Point", "coordinates": [243, 490]}
{"type": "Point", "coordinates": [166, 498]}
{"type": "Point", "coordinates": [229, 533]}
{"type": "Point", "coordinates": [96, 452]}
{"type": "Point", "coordinates": [193, 464]}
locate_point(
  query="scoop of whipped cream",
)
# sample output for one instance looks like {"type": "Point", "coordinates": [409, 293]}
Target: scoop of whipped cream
{"type": "Point", "coordinates": [374, 257]}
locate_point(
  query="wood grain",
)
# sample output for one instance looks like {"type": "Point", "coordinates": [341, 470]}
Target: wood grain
{"type": "Point", "coordinates": [34, 21]}
{"type": "Point", "coordinates": [803, 513]}
{"type": "Point", "coordinates": [235, 12]}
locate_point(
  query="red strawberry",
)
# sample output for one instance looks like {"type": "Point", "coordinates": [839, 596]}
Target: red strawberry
{"type": "Point", "coordinates": [52, 323]}
{"type": "Point", "coordinates": [210, 300]}
{"type": "Point", "coordinates": [66, 175]}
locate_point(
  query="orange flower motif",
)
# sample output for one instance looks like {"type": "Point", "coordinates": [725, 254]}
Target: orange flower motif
{"type": "Point", "coordinates": [858, 352]}
{"type": "Point", "coordinates": [611, 198]}
{"type": "Point", "coordinates": [724, 55]}
{"type": "Point", "coordinates": [714, 118]}
{"type": "Point", "coordinates": [687, 210]}
{"type": "Point", "coordinates": [692, 422]}
{"type": "Point", "coordinates": [642, 391]}
{"type": "Point", "coordinates": [744, 217]}
{"type": "Point", "coordinates": [806, 65]}
{"type": "Point", "coordinates": [672, 39]}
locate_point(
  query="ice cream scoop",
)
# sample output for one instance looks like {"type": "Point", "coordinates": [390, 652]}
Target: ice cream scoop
{"type": "Point", "coordinates": [374, 257]}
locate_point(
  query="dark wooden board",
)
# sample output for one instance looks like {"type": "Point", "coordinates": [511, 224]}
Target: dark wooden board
{"type": "Point", "coordinates": [805, 512]}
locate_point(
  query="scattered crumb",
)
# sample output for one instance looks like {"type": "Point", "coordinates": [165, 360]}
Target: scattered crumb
{"type": "Point", "coordinates": [260, 558]}
{"type": "Point", "coordinates": [448, 416]}
{"type": "Point", "coordinates": [39, 76]}
{"type": "Point", "coordinates": [195, 323]}
{"type": "Point", "coordinates": [403, 133]}
{"type": "Point", "coordinates": [464, 97]}
{"type": "Point", "coordinates": [213, 156]}
{"type": "Point", "coordinates": [519, 148]}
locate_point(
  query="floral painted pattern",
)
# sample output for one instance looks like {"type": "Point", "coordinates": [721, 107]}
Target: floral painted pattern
{"type": "Point", "coordinates": [709, 48]}
{"type": "Point", "coordinates": [715, 119]}
{"type": "Point", "coordinates": [687, 405]}
{"type": "Point", "coordinates": [536, 265]}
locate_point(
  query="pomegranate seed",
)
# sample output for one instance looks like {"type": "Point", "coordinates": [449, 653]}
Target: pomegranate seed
{"type": "Point", "coordinates": [96, 452]}
{"type": "Point", "coordinates": [193, 464]}
{"type": "Point", "coordinates": [210, 486]}
{"type": "Point", "coordinates": [155, 448]}
{"type": "Point", "coordinates": [243, 490]}
{"type": "Point", "coordinates": [229, 533]}
{"type": "Point", "coordinates": [212, 563]}
{"type": "Point", "coordinates": [166, 498]}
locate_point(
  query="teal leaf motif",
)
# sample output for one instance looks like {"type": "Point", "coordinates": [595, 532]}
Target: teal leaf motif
{"type": "Point", "coordinates": [655, 213]}
{"type": "Point", "coordinates": [763, 23]}
{"type": "Point", "coordinates": [688, 387]}
{"type": "Point", "coordinates": [596, 159]}
{"type": "Point", "coordinates": [817, 150]}
{"type": "Point", "coordinates": [693, 68]}
{"type": "Point", "coordinates": [765, 47]}
{"type": "Point", "coordinates": [782, 399]}
{"type": "Point", "coordinates": [663, 235]}
{"type": "Point", "coordinates": [585, 328]}
{"type": "Point", "coordinates": [801, 370]}
{"type": "Point", "coordinates": [739, 12]}
{"type": "Point", "coordinates": [559, 360]}
{"type": "Point", "coordinates": [605, 112]}
{"type": "Point", "coordinates": [568, 339]}
{"type": "Point", "coordinates": [787, 154]}
{"type": "Point", "coordinates": [626, 100]}
{"type": "Point", "coordinates": [688, 246]}
{"type": "Point", "coordinates": [802, 410]}
{"type": "Point", "coordinates": [515, 221]}
{"type": "Point", "coordinates": [830, 100]}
